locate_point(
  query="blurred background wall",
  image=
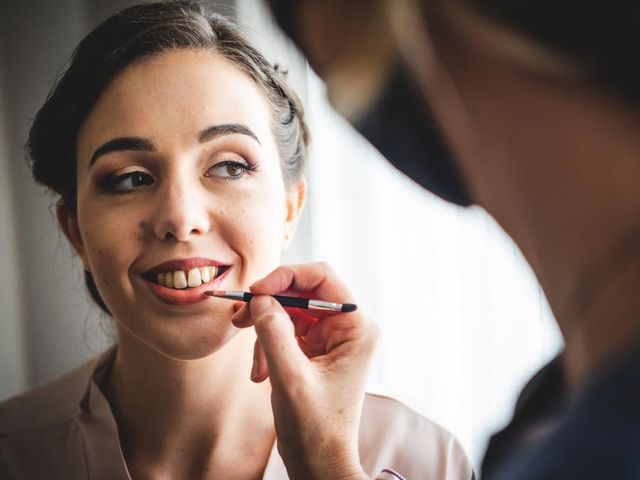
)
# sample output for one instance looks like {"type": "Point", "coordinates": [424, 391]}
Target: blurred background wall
{"type": "Point", "coordinates": [37, 322]}
{"type": "Point", "coordinates": [463, 320]}
{"type": "Point", "coordinates": [48, 325]}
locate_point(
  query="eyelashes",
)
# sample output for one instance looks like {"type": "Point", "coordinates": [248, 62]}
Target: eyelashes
{"type": "Point", "coordinates": [231, 169]}
{"type": "Point", "coordinates": [226, 170]}
{"type": "Point", "coordinates": [127, 182]}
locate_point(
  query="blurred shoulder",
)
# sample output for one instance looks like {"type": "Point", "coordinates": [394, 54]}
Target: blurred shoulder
{"type": "Point", "coordinates": [392, 435]}
{"type": "Point", "coordinates": [52, 403]}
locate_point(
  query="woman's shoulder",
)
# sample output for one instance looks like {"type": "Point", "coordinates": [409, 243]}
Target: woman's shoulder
{"type": "Point", "coordinates": [50, 404]}
{"type": "Point", "coordinates": [61, 429]}
{"type": "Point", "coordinates": [392, 435]}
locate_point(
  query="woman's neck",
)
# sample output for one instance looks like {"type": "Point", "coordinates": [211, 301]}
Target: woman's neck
{"type": "Point", "coordinates": [187, 418]}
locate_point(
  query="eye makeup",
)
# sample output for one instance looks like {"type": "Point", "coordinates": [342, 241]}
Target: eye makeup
{"type": "Point", "coordinates": [225, 166]}
{"type": "Point", "coordinates": [120, 182]}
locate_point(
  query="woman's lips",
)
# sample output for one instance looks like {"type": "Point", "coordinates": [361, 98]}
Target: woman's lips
{"type": "Point", "coordinates": [185, 296]}
{"type": "Point", "coordinates": [183, 264]}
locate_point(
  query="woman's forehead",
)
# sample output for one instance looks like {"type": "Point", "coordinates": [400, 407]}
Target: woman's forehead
{"type": "Point", "coordinates": [177, 94]}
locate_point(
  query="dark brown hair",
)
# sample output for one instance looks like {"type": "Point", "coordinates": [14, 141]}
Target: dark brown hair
{"type": "Point", "coordinates": [600, 35]}
{"type": "Point", "coordinates": [131, 35]}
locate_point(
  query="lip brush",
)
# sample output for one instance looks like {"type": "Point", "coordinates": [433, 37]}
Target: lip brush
{"type": "Point", "coordinates": [306, 303]}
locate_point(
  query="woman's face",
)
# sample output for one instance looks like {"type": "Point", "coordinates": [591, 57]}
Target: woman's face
{"type": "Point", "coordinates": [179, 179]}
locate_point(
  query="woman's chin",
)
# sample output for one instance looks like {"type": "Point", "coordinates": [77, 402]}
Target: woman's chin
{"type": "Point", "coordinates": [187, 342]}
{"type": "Point", "coordinates": [199, 347]}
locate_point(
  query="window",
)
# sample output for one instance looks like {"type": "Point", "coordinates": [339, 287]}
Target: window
{"type": "Point", "coordinates": [464, 323]}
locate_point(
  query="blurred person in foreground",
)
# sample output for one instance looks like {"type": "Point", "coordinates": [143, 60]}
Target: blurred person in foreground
{"type": "Point", "coordinates": [532, 111]}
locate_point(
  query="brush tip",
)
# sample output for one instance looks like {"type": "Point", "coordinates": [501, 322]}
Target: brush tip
{"type": "Point", "coordinates": [349, 307]}
{"type": "Point", "coordinates": [215, 293]}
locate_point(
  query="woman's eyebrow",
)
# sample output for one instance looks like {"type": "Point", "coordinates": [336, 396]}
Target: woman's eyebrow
{"type": "Point", "coordinates": [225, 129]}
{"type": "Point", "coordinates": [120, 144]}
{"type": "Point", "coordinates": [145, 145]}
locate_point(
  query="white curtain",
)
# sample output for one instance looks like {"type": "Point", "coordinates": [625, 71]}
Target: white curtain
{"type": "Point", "coordinates": [463, 320]}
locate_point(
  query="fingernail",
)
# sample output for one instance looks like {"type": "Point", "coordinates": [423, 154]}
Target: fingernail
{"type": "Point", "coordinates": [238, 314]}
{"type": "Point", "coordinates": [238, 306]}
{"type": "Point", "coordinates": [259, 303]}
{"type": "Point", "coordinates": [254, 368]}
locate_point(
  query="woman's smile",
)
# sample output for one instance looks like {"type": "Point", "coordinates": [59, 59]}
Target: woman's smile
{"type": "Point", "coordinates": [183, 282]}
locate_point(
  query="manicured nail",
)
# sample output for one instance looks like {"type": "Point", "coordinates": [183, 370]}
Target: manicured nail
{"type": "Point", "coordinates": [238, 315]}
{"type": "Point", "coordinates": [254, 369]}
{"type": "Point", "coordinates": [238, 306]}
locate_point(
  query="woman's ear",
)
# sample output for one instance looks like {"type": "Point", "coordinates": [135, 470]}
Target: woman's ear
{"type": "Point", "coordinates": [68, 223]}
{"type": "Point", "coordinates": [296, 196]}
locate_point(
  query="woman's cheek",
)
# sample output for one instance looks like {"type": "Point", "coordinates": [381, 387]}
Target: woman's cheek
{"type": "Point", "coordinates": [111, 247]}
{"type": "Point", "coordinates": [253, 236]}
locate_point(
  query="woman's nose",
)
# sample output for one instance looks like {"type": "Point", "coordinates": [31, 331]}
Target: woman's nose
{"type": "Point", "coordinates": [181, 212]}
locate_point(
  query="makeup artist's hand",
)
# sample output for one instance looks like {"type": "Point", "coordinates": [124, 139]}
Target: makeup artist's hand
{"type": "Point", "coordinates": [317, 367]}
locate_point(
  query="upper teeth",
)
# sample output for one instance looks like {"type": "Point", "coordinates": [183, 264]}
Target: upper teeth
{"type": "Point", "coordinates": [192, 278]}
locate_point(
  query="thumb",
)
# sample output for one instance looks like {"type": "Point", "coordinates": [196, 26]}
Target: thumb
{"type": "Point", "coordinates": [276, 335]}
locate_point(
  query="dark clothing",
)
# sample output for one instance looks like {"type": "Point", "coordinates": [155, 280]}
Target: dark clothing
{"type": "Point", "coordinates": [595, 435]}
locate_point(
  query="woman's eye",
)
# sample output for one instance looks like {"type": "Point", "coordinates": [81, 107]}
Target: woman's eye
{"type": "Point", "coordinates": [129, 181]}
{"type": "Point", "coordinates": [229, 169]}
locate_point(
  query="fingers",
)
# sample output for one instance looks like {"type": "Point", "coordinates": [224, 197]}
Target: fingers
{"type": "Point", "coordinates": [311, 277]}
{"type": "Point", "coordinates": [277, 340]}
{"type": "Point", "coordinates": [302, 320]}
{"type": "Point", "coordinates": [237, 306]}
{"type": "Point", "coordinates": [260, 368]}
{"type": "Point", "coordinates": [242, 317]}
